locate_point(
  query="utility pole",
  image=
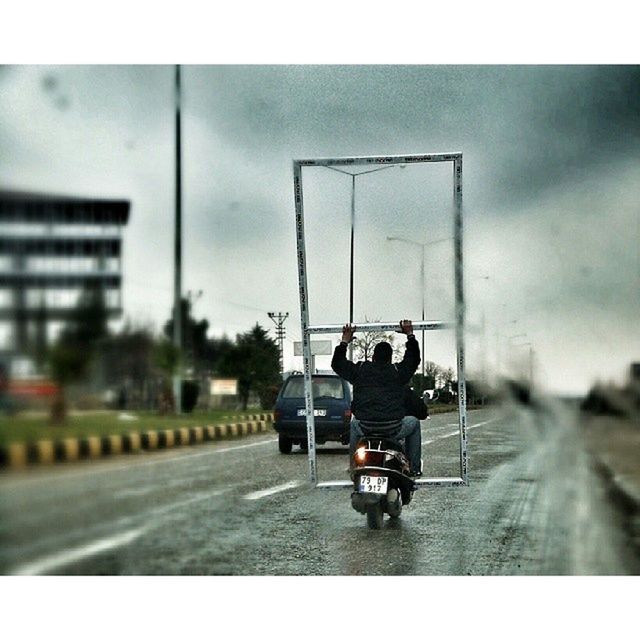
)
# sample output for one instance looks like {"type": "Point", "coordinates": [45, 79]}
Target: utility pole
{"type": "Point", "coordinates": [177, 280]}
{"type": "Point", "coordinates": [278, 319]}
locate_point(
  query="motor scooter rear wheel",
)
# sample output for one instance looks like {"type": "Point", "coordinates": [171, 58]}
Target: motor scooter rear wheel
{"type": "Point", "coordinates": [375, 515]}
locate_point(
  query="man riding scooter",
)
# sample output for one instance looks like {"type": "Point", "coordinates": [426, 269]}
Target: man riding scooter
{"type": "Point", "coordinates": [379, 388]}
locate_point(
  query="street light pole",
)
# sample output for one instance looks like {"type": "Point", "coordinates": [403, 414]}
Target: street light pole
{"type": "Point", "coordinates": [510, 346]}
{"type": "Point", "coordinates": [177, 281]}
{"type": "Point", "coordinates": [353, 221]}
{"type": "Point", "coordinates": [499, 337]}
{"type": "Point", "coordinates": [530, 345]}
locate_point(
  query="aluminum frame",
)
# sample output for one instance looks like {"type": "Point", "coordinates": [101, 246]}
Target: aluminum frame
{"type": "Point", "coordinates": [458, 324]}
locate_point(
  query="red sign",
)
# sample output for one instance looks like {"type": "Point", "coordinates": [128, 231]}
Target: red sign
{"type": "Point", "coordinates": [32, 388]}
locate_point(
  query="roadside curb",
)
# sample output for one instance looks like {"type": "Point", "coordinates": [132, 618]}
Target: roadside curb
{"type": "Point", "coordinates": [613, 445]}
{"type": "Point", "coordinates": [17, 455]}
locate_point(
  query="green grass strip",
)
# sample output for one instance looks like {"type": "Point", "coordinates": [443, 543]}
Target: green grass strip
{"type": "Point", "coordinates": [29, 428]}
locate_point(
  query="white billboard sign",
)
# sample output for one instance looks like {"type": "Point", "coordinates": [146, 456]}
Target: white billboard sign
{"type": "Point", "coordinates": [318, 348]}
{"type": "Point", "coordinates": [224, 387]}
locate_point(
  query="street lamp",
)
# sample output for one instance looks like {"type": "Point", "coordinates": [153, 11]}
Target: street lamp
{"type": "Point", "coordinates": [499, 336]}
{"type": "Point", "coordinates": [353, 218]}
{"type": "Point", "coordinates": [528, 344]}
{"type": "Point", "coordinates": [422, 282]}
{"type": "Point", "coordinates": [510, 346]}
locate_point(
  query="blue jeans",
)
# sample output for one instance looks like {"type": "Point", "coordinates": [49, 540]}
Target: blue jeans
{"type": "Point", "coordinates": [409, 432]}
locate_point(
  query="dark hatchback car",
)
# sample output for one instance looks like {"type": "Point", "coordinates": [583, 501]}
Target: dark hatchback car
{"type": "Point", "coordinates": [331, 406]}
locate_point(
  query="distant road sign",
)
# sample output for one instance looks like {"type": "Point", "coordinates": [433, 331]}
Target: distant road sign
{"type": "Point", "coordinates": [318, 348]}
{"type": "Point", "coordinates": [224, 387]}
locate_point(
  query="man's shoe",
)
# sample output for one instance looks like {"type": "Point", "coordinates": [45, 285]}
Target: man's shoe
{"type": "Point", "coordinates": [416, 474]}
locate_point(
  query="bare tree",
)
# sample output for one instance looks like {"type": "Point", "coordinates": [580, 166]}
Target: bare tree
{"type": "Point", "coordinates": [432, 373]}
{"type": "Point", "coordinates": [365, 341]}
{"type": "Point", "coordinates": [447, 378]}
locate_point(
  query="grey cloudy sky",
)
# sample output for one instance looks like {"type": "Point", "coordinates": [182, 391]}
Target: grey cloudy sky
{"type": "Point", "coordinates": [551, 175]}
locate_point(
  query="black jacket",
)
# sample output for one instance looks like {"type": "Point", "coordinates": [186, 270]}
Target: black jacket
{"type": "Point", "coordinates": [414, 406]}
{"type": "Point", "coordinates": [378, 388]}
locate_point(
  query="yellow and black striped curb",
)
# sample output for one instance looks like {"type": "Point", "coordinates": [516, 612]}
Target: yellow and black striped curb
{"type": "Point", "coordinates": [19, 454]}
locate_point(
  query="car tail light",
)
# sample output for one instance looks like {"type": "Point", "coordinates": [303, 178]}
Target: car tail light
{"type": "Point", "coordinates": [277, 414]}
{"type": "Point", "coordinates": [347, 415]}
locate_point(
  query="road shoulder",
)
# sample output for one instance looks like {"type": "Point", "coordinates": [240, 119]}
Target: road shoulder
{"type": "Point", "coordinates": [614, 446]}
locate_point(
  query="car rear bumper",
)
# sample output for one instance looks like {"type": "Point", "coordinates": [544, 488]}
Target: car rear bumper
{"type": "Point", "coordinates": [324, 430]}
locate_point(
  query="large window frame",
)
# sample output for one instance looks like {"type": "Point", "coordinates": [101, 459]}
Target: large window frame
{"type": "Point", "coordinates": [457, 324]}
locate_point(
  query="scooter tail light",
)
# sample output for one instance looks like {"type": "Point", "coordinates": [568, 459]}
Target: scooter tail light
{"type": "Point", "coordinates": [364, 456]}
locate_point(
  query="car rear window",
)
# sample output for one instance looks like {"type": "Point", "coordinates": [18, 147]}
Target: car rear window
{"type": "Point", "coordinates": [322, 387]}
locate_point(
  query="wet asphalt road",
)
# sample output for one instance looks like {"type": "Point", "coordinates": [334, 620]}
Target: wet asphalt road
{"type": "Point", "coordinates": [533, 507]}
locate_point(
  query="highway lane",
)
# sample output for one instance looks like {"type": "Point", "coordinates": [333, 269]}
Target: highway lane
{"type": "Point", "coordinates": [241, 508]}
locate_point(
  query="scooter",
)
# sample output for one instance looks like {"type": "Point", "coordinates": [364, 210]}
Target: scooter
{"type": "Point", "coordinates": [380, 474]}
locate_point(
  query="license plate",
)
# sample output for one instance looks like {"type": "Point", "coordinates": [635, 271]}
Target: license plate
{"type": "Point", "coordinates": [373, 484]}
{"type": "Point", "coordinates": [316, 412]}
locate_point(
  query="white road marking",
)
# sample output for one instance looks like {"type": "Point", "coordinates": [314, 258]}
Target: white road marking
{"type": "Point", "coordinates": [136, 491]}
{"type": "Point", "coordinates": [480, 424]}
{"type": "Point", "coordinates": [191, 456]}
{"type": "Point", "coordinates": [43, 565]}
{"type": "Point", "coordinates": [256, 495]}
{"type": "Point", "coordinates": [197, 498]}
{"type": "Point", "coordinates": [457, 433]}
{"type": "Point", "coordinates": [56, 560]}
{"type": "Point", "coordinates": [243, 446]}
{"type": "Point", "coordinates": [140, 491]}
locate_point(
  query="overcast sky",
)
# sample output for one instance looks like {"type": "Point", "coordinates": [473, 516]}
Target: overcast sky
{"type": "Point", "coordinates": [551, 186]}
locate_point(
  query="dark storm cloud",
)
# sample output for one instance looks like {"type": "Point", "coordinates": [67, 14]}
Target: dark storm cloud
{"type": "Point", "coordinates": [311, 105]}
{"type": "Point", "coordinates": [530, 127]}
{"type": "Point", "coordinates": [568, 121]}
